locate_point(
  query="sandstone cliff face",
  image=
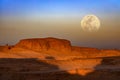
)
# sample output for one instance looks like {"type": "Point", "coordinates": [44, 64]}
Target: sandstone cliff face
{"type": "Point", "coordinates": [57, 47]}
{"type": "Point", "coordinates": [52, 48]}
{"type": "Point", "coordinates": [41, 44]}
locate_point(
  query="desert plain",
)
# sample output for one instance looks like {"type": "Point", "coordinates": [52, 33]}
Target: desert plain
{"type": "Point", "coordinates": [56, 59]}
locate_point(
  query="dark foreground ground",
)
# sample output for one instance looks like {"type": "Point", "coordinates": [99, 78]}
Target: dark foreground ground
{"type": "Point", "coordinates": [34, 69]}
{"type": "Point", "coordinates": [97, 75]}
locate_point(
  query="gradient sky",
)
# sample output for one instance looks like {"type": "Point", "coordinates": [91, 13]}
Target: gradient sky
{"type": "Point", "coordinates": [61, 19]}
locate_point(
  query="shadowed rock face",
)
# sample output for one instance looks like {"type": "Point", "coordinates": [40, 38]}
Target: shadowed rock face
{"type": "Point", "coordinates": [41, 44]}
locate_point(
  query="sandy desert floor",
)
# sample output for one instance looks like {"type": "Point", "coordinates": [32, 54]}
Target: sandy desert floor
{"type": "Point", "coordinates": [18, 63]}
{"type": "Point", "coordinates": [77, 69]}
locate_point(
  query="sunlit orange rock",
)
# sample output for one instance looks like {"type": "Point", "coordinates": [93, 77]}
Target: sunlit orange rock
{"type": "Point", "coordinates": [76, 48]}
{"type": "Point", "coordinates": [59, 49]}
{"type": "Point", "coordinates": [81, 72]}
{"type": "Point", "coordinates": [41, 44]}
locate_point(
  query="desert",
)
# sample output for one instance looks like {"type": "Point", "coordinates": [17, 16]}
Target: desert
{"type": "Point", "coordinates": [59, 39]}
{"type": "Point", "coordinates": [55, 59]}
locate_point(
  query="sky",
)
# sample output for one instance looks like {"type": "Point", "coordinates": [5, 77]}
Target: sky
{"type": "Point", "coordinates": [20, 19]}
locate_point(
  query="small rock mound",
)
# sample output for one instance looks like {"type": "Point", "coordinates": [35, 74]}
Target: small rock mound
{"type": "Point", "coordinates": [43, 44]}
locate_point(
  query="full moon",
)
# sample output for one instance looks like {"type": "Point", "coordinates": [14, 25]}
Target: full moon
{"type": "Point", "coordinates": [90, 23]}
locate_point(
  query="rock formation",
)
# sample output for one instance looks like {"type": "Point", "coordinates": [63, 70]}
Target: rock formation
{"type": "Point", "coordinates": [79, 49]}
{"type": "Point", "coordinates": [43, 44]}
{"type": "Point", "coordinates": [53, 48]}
